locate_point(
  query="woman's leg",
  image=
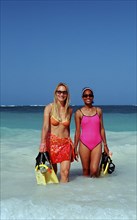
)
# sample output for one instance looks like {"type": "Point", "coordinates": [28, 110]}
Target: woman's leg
{"type": "Point", "coordinates": [64, 171]}
{"type": "Point", "coordinates": [84, 153]}
{"type": "Point", "coordinates": [95, 158]}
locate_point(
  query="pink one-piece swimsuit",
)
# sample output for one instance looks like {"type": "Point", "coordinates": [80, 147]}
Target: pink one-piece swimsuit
{"type": "Point", "coordinates": [90, 131]}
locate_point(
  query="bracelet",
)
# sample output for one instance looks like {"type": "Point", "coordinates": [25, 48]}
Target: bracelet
{"type": "Point", "coordinates": [105, 144]}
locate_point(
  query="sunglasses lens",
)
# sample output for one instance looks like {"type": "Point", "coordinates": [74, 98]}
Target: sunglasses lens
{"type": "Point", "coordinates": [63, 92]}
{"type": "Point", "coordinates": [87, 95]}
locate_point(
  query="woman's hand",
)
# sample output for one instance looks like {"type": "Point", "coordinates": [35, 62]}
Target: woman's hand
{"type": "Point", "coordinates": [110, 153]}
{"type": "Point", "coordinates": [76, 155]}
{"type": "Point", "coordinates": [106, 150]}
{"type": "Point", "coordinates": [42, 148]}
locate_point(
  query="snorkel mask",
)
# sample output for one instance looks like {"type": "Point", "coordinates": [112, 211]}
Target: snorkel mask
{"type": "Point", "coordinates": [106, 165]}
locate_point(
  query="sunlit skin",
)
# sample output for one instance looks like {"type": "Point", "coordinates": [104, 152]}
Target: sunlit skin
{"type": "Point", "coordinates": [90, 159]}
{"type": "Point", "coordinates": [60, 130]}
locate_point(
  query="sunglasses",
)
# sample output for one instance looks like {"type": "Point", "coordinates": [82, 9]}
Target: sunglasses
{"type": "Point", "coordinates": [87, 95]}
{"type": "Point", "coordinates": [63, 92]}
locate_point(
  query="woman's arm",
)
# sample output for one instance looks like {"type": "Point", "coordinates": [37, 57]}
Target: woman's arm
{"type": "Point", "coordinates": [77, 129]}
{"type": "Point", "coordinates": [45, 127]}
{"type": "Point", "coordinates": [70, 116]}
{"type": "Point", "coordinates": [103, 133]}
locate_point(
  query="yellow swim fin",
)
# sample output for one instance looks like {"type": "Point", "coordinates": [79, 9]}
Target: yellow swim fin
{"type": "Point", "coordinates": [104, 171]}
{"type": "Point", "coordinates": [106, 166]}
{"type": "Point", "coordinates": [40, 177]}
{"type": "Point", "coordinates": [51, 177]}
{"type": "Point", "coordinates": [44, 172]}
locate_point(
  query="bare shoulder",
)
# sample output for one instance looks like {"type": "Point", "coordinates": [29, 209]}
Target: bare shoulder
{"type": "Point", "coordinates": [99, 110]}
{"type": "Point", "coordinates": [48, 108]}
{"type": "Point", "coordinates": [78, 113]}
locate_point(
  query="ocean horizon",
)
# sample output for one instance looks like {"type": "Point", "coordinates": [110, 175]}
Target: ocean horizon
{"type": "Point", "coordinates": [112, 197]}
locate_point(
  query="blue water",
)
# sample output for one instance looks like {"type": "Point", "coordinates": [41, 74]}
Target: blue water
{"type": "Point", "coordinates": [116, 118]}
{"type": "Point", "coordinates": [108, 198]}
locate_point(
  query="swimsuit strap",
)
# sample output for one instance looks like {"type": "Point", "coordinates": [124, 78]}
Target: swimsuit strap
{"type": "Point", "coordinates": [85, 115]}
{"type": "Point", "coordinates": [81, 111]}
{"type": "Point", "coordinates": [97, 112]}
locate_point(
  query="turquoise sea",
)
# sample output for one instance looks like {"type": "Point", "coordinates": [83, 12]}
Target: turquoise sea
{"type": "Point", "coordinates": [104, 198]}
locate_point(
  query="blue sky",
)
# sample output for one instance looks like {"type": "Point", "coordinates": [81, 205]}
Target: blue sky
{"type": "Point", "coordinates": [81, 43]}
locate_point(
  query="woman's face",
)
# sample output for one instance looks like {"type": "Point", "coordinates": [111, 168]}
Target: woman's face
{"type": "Point", "coordinates": [88, 96]}
{"type": "Point", "coordinates": [61, 93]}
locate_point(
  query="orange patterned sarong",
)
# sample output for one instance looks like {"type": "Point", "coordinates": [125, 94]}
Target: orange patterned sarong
{"type": "Point", "coordinates": [60, 149]}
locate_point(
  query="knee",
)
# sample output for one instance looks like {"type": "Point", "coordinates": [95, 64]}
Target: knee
{"type": "Point", "coordinates": [65, 172]}
{"type": "Point", "coordinates": [94, 172]}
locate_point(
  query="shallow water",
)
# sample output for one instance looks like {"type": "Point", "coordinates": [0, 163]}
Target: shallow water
{"type": "Point", "coordinates": [109, 197]}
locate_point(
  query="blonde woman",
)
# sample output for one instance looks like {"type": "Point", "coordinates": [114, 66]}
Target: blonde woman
{"type": "Point", "coordinates": [55, 136]}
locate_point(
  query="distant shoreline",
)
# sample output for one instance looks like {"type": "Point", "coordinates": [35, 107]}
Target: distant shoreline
{"type": "Point", "coordinates": [39, 108]}
{"type": "Point", "coordinates": [1, 106]}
